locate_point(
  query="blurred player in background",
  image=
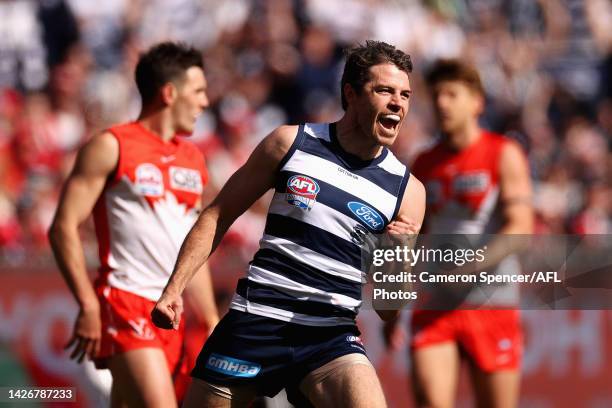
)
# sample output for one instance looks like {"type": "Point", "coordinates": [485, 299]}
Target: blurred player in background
{"type": "Point", "coordinates": [143, 185]}
{"type": "Point", "coordinates": [292, 320]}
{"type": "Point", "coordinates": [477, 182]}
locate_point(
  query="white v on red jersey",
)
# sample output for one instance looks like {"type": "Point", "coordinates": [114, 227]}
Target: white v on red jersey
{"type": "Point", "coordinates": [147, 209]}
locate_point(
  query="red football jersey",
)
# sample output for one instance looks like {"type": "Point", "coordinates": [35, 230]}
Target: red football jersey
{"type": "Point", "coordinates": [147, 209]}
{"type": "Point", "coordinates": [462, 198]}
{"type": "Point", "coordinates": [462, 186]}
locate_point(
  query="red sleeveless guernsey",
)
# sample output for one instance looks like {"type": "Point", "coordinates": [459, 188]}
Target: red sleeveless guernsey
{"type": "Point", "coordinates": [146, 209]}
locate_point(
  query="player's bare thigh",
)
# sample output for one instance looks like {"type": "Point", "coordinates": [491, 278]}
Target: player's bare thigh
{"type": "Point", "coordinates": [348, 381]}
{"type": "Point", "coordinates": [497, 389]}
{"type": "Point", "coordinates": [141, 378]}
{"type": "Point", "coordinates": [205, 395]}
{"type": "Point", "coordinates": [435, 373]}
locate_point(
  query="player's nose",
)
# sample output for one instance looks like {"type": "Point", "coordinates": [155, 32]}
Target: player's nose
{"type": "Point", "coordinates": [204, 102]}
{"type": "Point", "coordinates": [395, 103]}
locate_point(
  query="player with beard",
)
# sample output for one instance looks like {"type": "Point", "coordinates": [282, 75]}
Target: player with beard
{"type": "Point", "coordinates": [291, 322]}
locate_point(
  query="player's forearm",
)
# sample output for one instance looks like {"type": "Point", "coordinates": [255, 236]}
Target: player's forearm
{"type": "Point", "coordinates": [68, 252]}
{"type": "Point", "coordinates": [510, 239]}
{"type": "Point", "coordinates": [389, 310]}
{"type": "Point", "coordinates": [201, 297]}
{"type": "Point", "coordinates": [197, 247]}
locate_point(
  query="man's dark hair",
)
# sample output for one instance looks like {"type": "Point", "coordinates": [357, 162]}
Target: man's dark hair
{"type": "Point", "coordinates": [360, 58]}
{"type": "Point", "coordinates": [454, 70]}
{"type": "Point", "coordinates": [161, 64]}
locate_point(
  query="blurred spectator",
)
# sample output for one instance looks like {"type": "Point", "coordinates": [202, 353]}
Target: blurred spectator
{"type": "Point", "coordinates": [22, 51]}
{"type": "Point", "coordinates": [66, 71]}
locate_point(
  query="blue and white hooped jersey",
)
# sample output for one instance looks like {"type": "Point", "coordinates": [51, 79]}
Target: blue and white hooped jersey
{"type": "Point", "coordinates": [308, 266]}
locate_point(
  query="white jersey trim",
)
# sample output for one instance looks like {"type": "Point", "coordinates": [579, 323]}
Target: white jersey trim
{"type": "Point", "coordinates": [310, 257]}
{"type": "Point", "coordinates": [243, 305]}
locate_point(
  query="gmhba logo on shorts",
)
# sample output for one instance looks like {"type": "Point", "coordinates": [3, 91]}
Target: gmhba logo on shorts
{"type": "Point", "coordinates": [232, 366]}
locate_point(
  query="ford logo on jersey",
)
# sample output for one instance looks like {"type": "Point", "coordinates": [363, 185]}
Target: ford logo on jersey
{"type": "Point", "coordinates": [366, 214]}
{"type": "Point", "coordinates": [302, 191]}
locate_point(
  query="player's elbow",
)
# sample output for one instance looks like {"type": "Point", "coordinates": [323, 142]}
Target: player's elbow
{"type": "Point", "coordinates": [57, 233]}
{"type": "Point", "coordinates": [388, 315]}
{"type": "Point", "coordinates": [524, 224]}
{"type": "Point", "coordinates": [53, 234]}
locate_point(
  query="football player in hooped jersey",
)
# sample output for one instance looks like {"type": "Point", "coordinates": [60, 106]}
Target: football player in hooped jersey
{"type": "Point", "coordinates": [144, 186]}
{"type": "Point", "coordinates": [477, 182]}
{"type": "Point", "coordinates": [291, 322]}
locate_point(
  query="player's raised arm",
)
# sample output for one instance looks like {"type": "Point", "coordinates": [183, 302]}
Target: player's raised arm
{"type": "Point", "coordinates": [406, 226]}
{"type": "Point", "coordinates": [95, 162]}
{"type": "Point", "coordinates": [243, 188]}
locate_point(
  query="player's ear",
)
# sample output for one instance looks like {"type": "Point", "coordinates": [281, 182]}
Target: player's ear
{"type": "Point", "coordinates": [479, 101]}
{"type": "Point", "coordinates": [168, 93]}
{"type": "Point", "coordinates": [349, 93]}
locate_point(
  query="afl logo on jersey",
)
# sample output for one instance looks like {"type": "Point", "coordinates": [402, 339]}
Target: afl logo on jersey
{"type": "Point", "coordinates": [302, 191]}
{"type": "Point", "coordinates": [367, 215]}
{"type": "Point", "coordinates": [149, 180]}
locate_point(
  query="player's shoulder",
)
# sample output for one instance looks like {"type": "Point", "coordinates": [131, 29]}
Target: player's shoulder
{"type": "Point", "coordinates": [502, 143]}
{"type": "Point", "coordinates": [416, 185]}
{"type": "Point", "coordinates": [278, 143]}
{"type": "Point", "coordinates": [494, 138]}
{"type": "Point", "coordinates": [99, 155]}
{"type": "Point", "coordinates": [103, 142]}
{"type": "Point", "coordinates": [428, 153]}
{"type": "Point", "coordinates": [284, 135]}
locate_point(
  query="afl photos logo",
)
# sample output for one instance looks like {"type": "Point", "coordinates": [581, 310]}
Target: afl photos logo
{"type": "Point", "coordinates": [149, 180]}
{"type": "Point", "coordinates": [302, 192]}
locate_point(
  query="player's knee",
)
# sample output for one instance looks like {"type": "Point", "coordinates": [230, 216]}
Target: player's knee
{"type": "Point", "coordinates": [358, 386]}
{"type": "Point", "coordinates": [432, 399]}
{"type": "Point", "coordinates": [202, 394]}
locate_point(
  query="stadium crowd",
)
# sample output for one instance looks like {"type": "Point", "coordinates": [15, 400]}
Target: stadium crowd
{"type": "Point", "coordinates": [66, 72]}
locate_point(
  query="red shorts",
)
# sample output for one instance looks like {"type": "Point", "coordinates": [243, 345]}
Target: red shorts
{"type": "Point", "coordinates": [492, 339]}
{"type": "Point", "coordinates": [126, 325]}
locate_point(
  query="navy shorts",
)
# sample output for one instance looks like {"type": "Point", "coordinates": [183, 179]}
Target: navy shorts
{"type": "Point", "coordinates": [270, 354]}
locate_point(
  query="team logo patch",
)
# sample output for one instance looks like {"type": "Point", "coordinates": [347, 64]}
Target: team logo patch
{"type": "Point", "coordinates": [367, 215]}
{"type": "Point", "coordinates": [232, 366]}
{"type": "Point", "coordinates": [185, 179]}
{"type": "Point", "coordinates": [302, 192]}
{"type": "Point", "coordinates": [149, 180]}
{"type": "Point", "coordinates": [141, 329]}
{"type": "Point", "coordinates": [355, 342]}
